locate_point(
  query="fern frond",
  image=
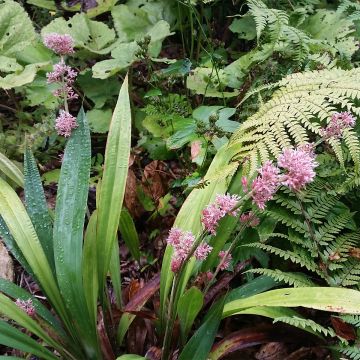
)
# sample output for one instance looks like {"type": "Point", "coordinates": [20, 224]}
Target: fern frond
{"type": "Point", "coordinates": [299, 257]}
{"type": "Point", "coordinates": [332, 227]}
{"type": "Point", "coordinates": [338, 250]}
{"type": "Point", "coordinates": [306, 324]}
{"type": "Point", "coordinates": [349, 275]}
{"type": "Point", "coordinates": [303, 103]}
{"type": "Point", "coordinates": [353, 352]}
{"type": "Point", "coordinates": [293, 279]}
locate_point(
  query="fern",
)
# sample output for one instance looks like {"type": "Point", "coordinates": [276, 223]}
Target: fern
{"type": "Point", "coordinates": [306, 324]}
{"type": "Point", "coordinates": [353, 352]}
{"type": "Point", "coordinates": [320, 231]}
{"type": "Point", "coordinates": [298, 257]}
{"type": "Point", "coordinates": [303, 104]}
{"type": "Point", "coordinates": [293, 279]}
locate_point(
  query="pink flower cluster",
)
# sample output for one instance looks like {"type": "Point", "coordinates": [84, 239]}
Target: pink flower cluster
{"type": "Point", "coordinates": [299, 165]}
{"type": "Point", "coordinates": [249, 219]}
{"type": "Point", "coordinates": [64, 75]}
{"type": "Point", "coordinates": [265, 185]}
{"type": "Point", "coordinates": [225, 260]}
{"type": "Point", "coordinates": [223, 205]}
{"type": "Point", "coordinates": [65, 123]}
{"type": "Point", "coordinates": [27, 306]}
{"type": "Point", "coordinates": [182, 243]}
{"type": "Point", "coordinates": [59, 44]}
{"type": "Point", "coordinates": [338, 123]}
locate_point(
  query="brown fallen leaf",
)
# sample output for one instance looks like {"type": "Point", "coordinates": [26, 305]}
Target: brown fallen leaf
{"type": "Point", "coordinates": [343, 329]}
{"type": "Point", "coordinates": [152, 180]}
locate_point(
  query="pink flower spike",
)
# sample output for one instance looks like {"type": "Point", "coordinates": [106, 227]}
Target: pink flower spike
{"type": "Point", "coordinates": [175, 264]}
{"type": "Point", "coordinates": [65, 123]}
{"type": "Point", "coordinates": [227, 202]}
{"type": "Point", "coordinates": [225, 259]}
{"type": "Point", "coordinates": [203, 251]}
{"type": "Point", "coordinates": [338, 123]}
{"type": "Point", "coordinates": [265, 185]}
{"type": "Point", "coordinates": [213, 213]}
{"type": "Point", "coordinates": [211, 216]}
{"type": "Point", "coordinates": [182, 243]}
{"type": "Point", "coordinates": [27, 306]}
{"type": "Point", "coordinates": [60, 44]}
{"type": "Point", "coordinates": [299, 165]}
{"type": "Point", "coordinates": [174, 237]}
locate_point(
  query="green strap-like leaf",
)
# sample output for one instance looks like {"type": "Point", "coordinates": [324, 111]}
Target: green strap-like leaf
{"type": "Point", "coordinates": [113, 182]}
{"type": "Point", "coordinates": [200, 344]}
{"type": "Point", "coordinates": [115, 273]}
{"type": "Point", "coordinates": [322, 298]}
{"type": "Point", "coordinates": [71, 203]}
{"type": "Point", "coordinates": [14, 338]}
{"type": "Point", "coordinates": [129, 234]}
{"type": "Point", "coordinates": [189, 306]}
{"type": "Point", "coordinates": [90, 272]}
{"type": "Point", "coordinates": [11, 171]}
{"type": "Point", "coordinates": [36, 206]}
{"type": "Point", "coordinates": [20, 226]}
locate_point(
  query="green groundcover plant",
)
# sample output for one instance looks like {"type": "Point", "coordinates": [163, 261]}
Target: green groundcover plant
{"type": "Point", "coordinates": [282, 183]}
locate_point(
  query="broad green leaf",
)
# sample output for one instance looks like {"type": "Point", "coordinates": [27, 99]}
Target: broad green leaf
{"type": "Point", "coordinates": [71, 203]}
{"type": "Point", "coordinates": [199, 346]}
{"type": "Point", "coordinates": [189, 306]}
{"type": "Point", "coordinates": [90, 268]}
{"type": "Point", "coordinates": [130, 357]}
{"type": "Point", "coordinates": [210, 83]}
{"type": "Point", "coordinates": [45, 4]}
{"type": "Point", "coordinates": [99, 120]}
{"type": "Point", "coordinates": [182, 137]}
{"type": "Point", "coordinates": [16, 29]}
{"type": "Point", "coordinates": [11, 170]}
{"type": "Point", "coordinates": [27, 75]}
{"type": "Point", "coordinates": [327, 299]}
{"type": "Point", "coordinates": [98, 91]}
{"type": "Point", "coordinates": [13, 338]}
{"type": "Point", "coordinates": [113, 183]}
{"type": "Point", "coordinates": [245, 27]}
{"type": "Point", "coordinates": [102, 6]}
{"type": "Point", "coordinates": [94, 36]}
{"type": "Point", "coordinates": [258, 285]}
{"type": "Point", "coordinates": [235, 73]}
{"type": "Point", "coordinates": [129, 234]}
{"type": "Point", "coordinates": [36, 206]}
{"type": "Point", "coordinates": [8, 64]}
{"type": "Point", "coordinates": [123, 56]}
{"type": "Point", "coordinates": [21, 228]}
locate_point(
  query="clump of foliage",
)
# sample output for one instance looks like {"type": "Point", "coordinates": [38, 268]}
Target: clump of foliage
{"type": "Point", "coordinates": [242, 116]}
